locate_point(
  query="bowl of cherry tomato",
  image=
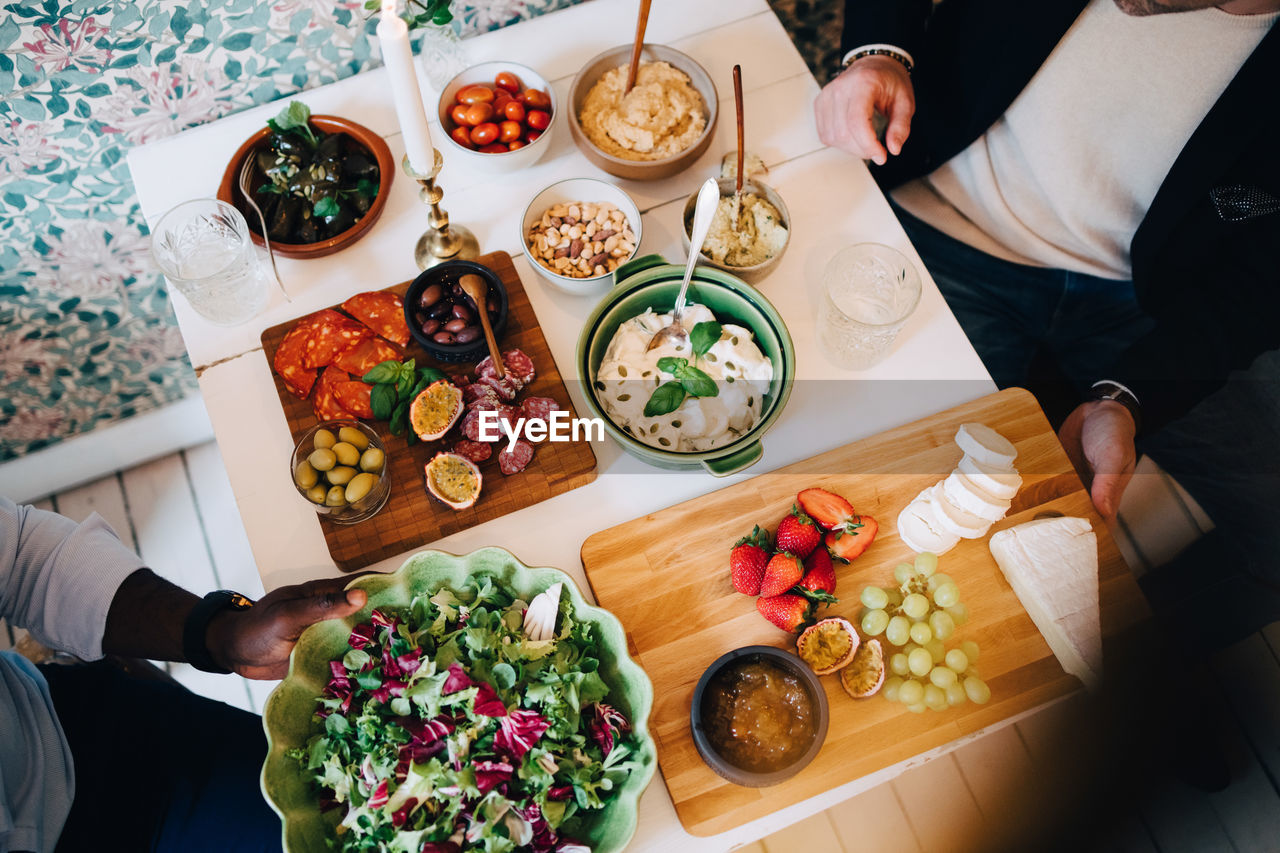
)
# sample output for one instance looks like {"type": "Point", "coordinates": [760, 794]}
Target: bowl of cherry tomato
{"type": "Point", "coordinates": [498, 115]}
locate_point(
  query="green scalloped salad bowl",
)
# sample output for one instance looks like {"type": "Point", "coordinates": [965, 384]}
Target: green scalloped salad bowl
{"type": "Point", "coordinates": [288, 715]}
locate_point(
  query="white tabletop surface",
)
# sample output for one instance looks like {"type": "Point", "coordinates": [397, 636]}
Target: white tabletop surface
{"type": "Point", "coordinates": [833, 203]}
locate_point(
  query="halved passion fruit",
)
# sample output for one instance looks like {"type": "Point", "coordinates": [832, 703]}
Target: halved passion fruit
{"type": "Point", "coordinates": [828, 645]}
{"type": "Point", "coordinates": [453, 479]}
{"type": "Point", "coordinates": [435, 410]}
{"type": "Point", "coordinates": [865, 674]}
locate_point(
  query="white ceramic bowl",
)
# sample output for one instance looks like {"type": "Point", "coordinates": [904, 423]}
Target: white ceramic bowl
{"type": "Point", "coordinates": [511, 160]}
{"type": "Point", "coordinates": [575, 190]}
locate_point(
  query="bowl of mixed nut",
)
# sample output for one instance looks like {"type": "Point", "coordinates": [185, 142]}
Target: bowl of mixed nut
{"type": "Point", "coordinates": [575, 233]}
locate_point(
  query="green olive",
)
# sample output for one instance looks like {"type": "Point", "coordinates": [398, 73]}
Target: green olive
{"type": "Point", "coordinates": [316, 493]}
{"type": "Point", "coordinates": [336, 496]}
{"type": "Point", "coordinates": [323, 438]}
{"type": "Point", "coordinates": [354, 437]}
{"type": "Point", "coordinates": [346, 453]}
{"type": "Point", "coordinates": [322, 459]}
{"type": "Point", "coordinates": [360, 486]}
{"type": "Point", "coordinates": [304, 475]}
{"type": "Point", "coordinates": [340, 475]}
{"type": "Point", "coordinates": [371, 460]}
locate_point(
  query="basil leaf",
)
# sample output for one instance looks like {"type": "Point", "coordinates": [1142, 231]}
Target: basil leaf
{"type": "Point", "coordinates": [326, 207]}
{"type": "Point", "coordinates": [704, 336]}
{"type": "Point", "coordinates": [382, 399]}
{"type": "Point", "coordinates": [382, 373]}
{"type": "Point", "coordinates": [399, 420]}
{"type": "Point", "coordinates": [666, 398]}
{"type": "Point", "coordinates": [670, 364]}
{"type": "Point", "coordinates": [405, 384]}
{"type": "Point", "coordinates": [427, 375]}
{"type": "Point", "coordinates": [697, 383]}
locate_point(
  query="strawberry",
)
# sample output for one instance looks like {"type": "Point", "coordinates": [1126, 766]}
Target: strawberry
{"type": "Point", "coordinates": [788, 612]}
{"type": "Point", "coordinates": [797, 534]}
{"type": "Point", "coordinates": [820, 574]}
{"type": "Point", "coordinates": [783, 572]}
{"type": "Point", "coordinates": [828, 509]}
{"type": "Point", "coordinates": [853, 537]}
{"type": "Point", "coordinates": [747, 561]}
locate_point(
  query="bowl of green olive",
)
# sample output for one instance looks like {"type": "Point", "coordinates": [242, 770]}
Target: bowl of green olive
{"type": "Point", "coordinates": [340, 468]}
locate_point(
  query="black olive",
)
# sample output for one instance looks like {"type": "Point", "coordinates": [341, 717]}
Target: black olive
{"type": "Point", "coordinates": [467, 335]}
{"type": "Point", "coordinates": [444, 338]}
{"type": "Point", "coordinates": [429, 327]}
{"type": "Point", "coordinates": [430, 295]}
{"type": "Point", "coordinates": [441, 310]}
{"type": "Point", "coordinates": [420, 317]}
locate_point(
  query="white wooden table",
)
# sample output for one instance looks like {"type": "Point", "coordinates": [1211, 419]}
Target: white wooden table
{"type": "Point", "coordinates": [833, 203]}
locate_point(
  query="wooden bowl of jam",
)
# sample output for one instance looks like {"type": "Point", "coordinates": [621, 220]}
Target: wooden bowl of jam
{"type": "Point", "coordinates": [759, 715]}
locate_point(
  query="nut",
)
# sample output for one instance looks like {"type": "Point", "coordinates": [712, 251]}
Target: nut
{"type": "Point", "coordinates": [581, 239]}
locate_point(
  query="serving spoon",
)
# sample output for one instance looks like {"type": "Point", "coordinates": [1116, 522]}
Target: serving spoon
{"type": "Point", "coordinates": [642, 22]}
{"type": "Point", "coordinates": [703, 211]}
{"type": "Point", "coordinates": [246, 172]}
{"type": "Point", "coordinates": [474, 286]}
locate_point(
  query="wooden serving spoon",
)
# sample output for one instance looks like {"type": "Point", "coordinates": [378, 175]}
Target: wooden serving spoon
{"type": "Point", "coordinates": [742, 148]}
{"type": "Point", "coordinates": [641, 23]}
{"type": "Point", "coordinates": [475, 287]}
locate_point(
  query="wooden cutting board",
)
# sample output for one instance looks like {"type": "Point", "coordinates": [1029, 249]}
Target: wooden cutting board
{"type": "Point", "coordinates": [412, 518]}
{"type": "Point", "coordinates": [666, 577]}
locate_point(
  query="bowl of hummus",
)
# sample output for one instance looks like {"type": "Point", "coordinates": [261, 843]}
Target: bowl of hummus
{"type": "Point", "coordinates": [743, 356]}
{"type": "Point", "coordinates": [654, 131]}
{"type": "Point", "coordinates": [746, 239]}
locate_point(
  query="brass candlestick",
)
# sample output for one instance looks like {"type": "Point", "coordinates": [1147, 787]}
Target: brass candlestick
{"type": "Point", "coordinates": [442, 241]}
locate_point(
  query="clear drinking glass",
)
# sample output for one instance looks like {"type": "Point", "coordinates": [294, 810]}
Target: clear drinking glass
{"type": "Point", "coordinates": [868, 292]}
{"type": "Point", "coordinates": [203, 248]}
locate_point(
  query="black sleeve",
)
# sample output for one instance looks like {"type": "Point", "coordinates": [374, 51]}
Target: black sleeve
{"type": "Point", "coordinates": [897, 22]}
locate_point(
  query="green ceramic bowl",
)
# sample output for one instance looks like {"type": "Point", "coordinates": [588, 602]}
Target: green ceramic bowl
{"type": "Point", "coordinates": [287, 719]}
{"type": "Point", "coordinates": [651, 282]}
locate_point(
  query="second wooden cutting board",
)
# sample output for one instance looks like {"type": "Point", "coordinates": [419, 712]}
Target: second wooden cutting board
{"type": "Point", "coordinates": [666, 577]}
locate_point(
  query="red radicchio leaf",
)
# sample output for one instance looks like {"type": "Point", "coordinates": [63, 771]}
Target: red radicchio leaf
{"type": "Point", "coordinates": [441, 847]}
{"type": "Point", "coordinates": [361, 635]}
{"type": "Point", "coordinates": [569, 845]}
{"type": "Point", "coordinates": [382, 620]}
{"type": "Point", "coordinates": [519, 731]}
{"type": "Point", "coordinates": [426, 737]}
{"type": "Point", "coordinates": [379, 797]}
{"type": "Point", "coordinates": [490, 774]}
{"type": "Point", "coordinates": [400, 815]}
{"type": "Point", "coordinates": [488, 704]}
{"type": "Point", "coordinates": [605, 724]}
{"type": "Point", "coordinates": [561, 792]}
{"type": "Point", "coordinates": [456, 680]}
{"type": "Point", "coordinates": [544, 837]}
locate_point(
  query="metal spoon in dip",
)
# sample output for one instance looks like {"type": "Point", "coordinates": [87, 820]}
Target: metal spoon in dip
{"type": "Point", "coordinates": [704, 210]}
{"type": "Point", "coordinates": [475, 287]}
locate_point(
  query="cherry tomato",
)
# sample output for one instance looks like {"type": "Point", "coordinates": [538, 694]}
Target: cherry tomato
{"type": "Point", "coordinates": [535, 99]}
{"type": "Point", "coordinates": [495, 148]}
{"type": "Point", "coordinates": [509, 131]}
{"type": "Point", "coordinates": [501, 98]}
{"type": "Point", "coordinates": [531, 136]}
{"type": "Point", "coordinates": [516, 143]}
{"type": "Point", "coordinates": [462, 136]}
{"type": "Point", "coordinates": [484, 134]}
{"type": "Point", "coordinates": [507, 80]}
{"type": "Point", "coordinates": [513, 110]}
{"type": "Point", "coordinates": [458, 112]}
{"type": "Point", "coordinates": [538, 120]}
{"type": "Point", "coordinates": [478, 114]}
{"type": "Point", "coordinates": [477, 93]}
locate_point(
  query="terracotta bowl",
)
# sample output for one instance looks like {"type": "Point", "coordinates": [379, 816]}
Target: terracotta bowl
{"type": "Point", "coordinates": [229, 189]}
{"type": "Point", "coordinates": [642, 170]}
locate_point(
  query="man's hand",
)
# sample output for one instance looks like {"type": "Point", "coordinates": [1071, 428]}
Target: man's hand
{"type": "Point", "coordinates": [1098, 438]}
{"type": "Point", "coordinates": [256, 642]}
{"type": "Point", "coordinates": [845, 107]}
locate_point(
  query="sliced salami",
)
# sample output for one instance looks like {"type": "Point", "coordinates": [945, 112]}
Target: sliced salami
{"type": "Point", "coordinates": [325, 403]}
{"type": "Point", "coordinates": [288, 361]}
{"type": "Point", "coordinates": [514, 460]}
{"type": "Point", "coordinates": [485, 371]}
{"type": "Point", "coordinates": [331, 333]}
{"type": "Point", "coordinates": [381, 311]}
{"type": "Point", "coordinates": [354, 397]}
{"type": "Point", "coordinates": [363, 356]}
{"type": "Point", "coordinates": [505, 388]}
{"type": "Point", "coordinates": [476, 451]}
{"type": "Point", "coordinates": [471, 420]}
{"type": "Point", "coordinates": [477, 392]}
{"type": "Point", "coordinates": [538, 408]}
{"type": "Point", "coordinates": [519, 365]}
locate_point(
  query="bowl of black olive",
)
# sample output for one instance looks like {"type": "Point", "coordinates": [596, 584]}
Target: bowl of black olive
{"type": "Point", "coordinates": [321, 181]}
{"type": "Point", "coordinates": [443, 319]}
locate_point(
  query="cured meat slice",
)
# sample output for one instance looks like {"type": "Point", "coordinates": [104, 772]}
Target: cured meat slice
{"type": "Point", "coordinates": [538, 408]}
{"type": "Point", "coordinates": [505, 388]}
{"type": "Point", "coordinates": [354, 397]}
{"type": "Point", "coordinates": [363, 356]}
{"type": "Point", "coordinates": [514, 460]}
{"type": "Point", "coordinates": [381, 311]}
{"type": "Point", "coordinates": [288, 361]}
{"type": "Point", "coordinates": [519, 368]}
{"type": "Point", "coordinates": [331, 333]}
{"type": "Point", "coordinates": [471, 420]}
{"type": "Point", "coordinates": [478, 391]}
{"type": "Point", "coordinates": [476, 451]}
{"type": "Point", "coordinates": [325, 403]}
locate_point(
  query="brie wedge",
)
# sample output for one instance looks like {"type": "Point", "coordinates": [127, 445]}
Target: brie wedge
{"type": "Point", "coordinates": [986, 445]}
{"type": "Point", "coordinates": [1052, 565]}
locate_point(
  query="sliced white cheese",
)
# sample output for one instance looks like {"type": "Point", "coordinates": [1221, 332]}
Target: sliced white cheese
{"type": "Point", "coordinates": [1052, 564]}
{"type": "Point", "coordinates": [918, 527]}
{"type": "Point", "coordinates": [986, 445]}
{"type": "Point", "coordinates": [992, 479]}
{"type": "Point", "coordinates": [954, 520]}
{"type": "Point", "coordinates": [962, 492]}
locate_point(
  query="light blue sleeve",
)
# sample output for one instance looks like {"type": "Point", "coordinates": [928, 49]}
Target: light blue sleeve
{"type": "Point", "coordinates": [57, 577]}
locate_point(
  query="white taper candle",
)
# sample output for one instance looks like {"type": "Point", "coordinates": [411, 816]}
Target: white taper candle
{"type": "Point", "coordinates": [397, 55]}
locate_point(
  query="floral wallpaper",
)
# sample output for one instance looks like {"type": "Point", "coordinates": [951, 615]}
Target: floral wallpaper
{"type": "Point", "coordinates": [87, 335]}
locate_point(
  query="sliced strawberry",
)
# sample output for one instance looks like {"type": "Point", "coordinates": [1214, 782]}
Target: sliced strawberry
{"type": "Point", "coordinates": [827, 508]}
{"type": "Point", "coordinates": [788, 612]}
{"type": "Point", "coordinates": [747, 561]}
{"type": "Point", "coordinates": [797, 534]}
{"type": "Point", "coordinates": [820, 572]}
{"type": "Point", "coordinates": [783, 572]}
{"type": "Point", "coordinates": [853, 537]}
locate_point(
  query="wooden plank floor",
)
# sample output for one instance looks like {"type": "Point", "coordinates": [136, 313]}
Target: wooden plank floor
{"type": "Point", "coordinates": [179, 513]}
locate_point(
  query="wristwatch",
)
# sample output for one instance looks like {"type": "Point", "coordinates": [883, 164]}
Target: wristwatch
{"type": "Point", "coordinates": [195, 647]}
{"type": "Point", "coordinates": [1107, 389]}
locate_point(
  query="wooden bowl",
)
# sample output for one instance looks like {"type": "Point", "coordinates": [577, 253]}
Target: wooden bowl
{"type": "Point", "coordinates": [642, 170]}
{"type": "Point", "coordinates": [229, 189]}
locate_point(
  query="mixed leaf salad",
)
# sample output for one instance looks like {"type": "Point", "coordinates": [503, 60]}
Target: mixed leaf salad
{"type": "Point", "coordinates": [444, 728]}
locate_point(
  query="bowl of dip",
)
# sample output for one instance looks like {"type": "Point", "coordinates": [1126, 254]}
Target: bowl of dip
{"type": "Point", "coordinates": [759, 716]}
{"type": "Point", "coordinates": [659, 128]}
{"type": "Point", "coordinates": [757, 244]}
{"type": "Point", "coordinates": [752, 365]}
